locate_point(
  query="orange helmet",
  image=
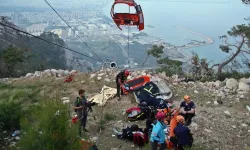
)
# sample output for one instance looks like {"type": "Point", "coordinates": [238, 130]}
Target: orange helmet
{"type": "Point", "coordinates": [180, 119]}
{"type": "Point", "coordinates": [186, 97]}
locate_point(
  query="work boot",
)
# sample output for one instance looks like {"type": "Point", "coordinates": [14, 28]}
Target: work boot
{"type": "Point", "coordinates": [85, 130]}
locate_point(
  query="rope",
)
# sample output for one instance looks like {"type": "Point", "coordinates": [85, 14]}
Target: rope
{"type": "Point", "coordinates": [128, 38]}
{"type": "Point", "coordinates": [72, 30]}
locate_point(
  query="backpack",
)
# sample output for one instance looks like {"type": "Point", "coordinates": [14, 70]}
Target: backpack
{"type": "Point", "coordinates": [78, 103]}
{"type": "Point", "coordinates": [139, 138]}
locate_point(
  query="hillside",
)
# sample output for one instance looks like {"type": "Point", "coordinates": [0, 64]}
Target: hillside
{"type": "Point", "coordinates": [222, 120]}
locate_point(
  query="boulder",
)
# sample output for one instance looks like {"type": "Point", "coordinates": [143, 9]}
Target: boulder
{"type": "Point", "coordinates": [66, 72]}
{"type": "Point", "coordinates": [99, 78]}
{"type": "Point", "coordinates": [54, 72]}
{"type": "Point", "coordinates": [61, 72]}
{"type": "Point", "coordinates": [38, 73]}
{"type": "Point", "coordinates": [217, 84]}
{"type": "Point", "coordinates": [244, 80]}
{"type": "Point", "coordinates": [92, 76]}
{"type": "Point", "coordinates": [28, 75]}
{"type": "Point", "coordinates": [47, 72]}
{"type": "Point", "coordinates": [100, 74]}
{"type": "Point", "coordinates": [243, 87]}
{"type": "Point", "coordinates": [107, 80]}
{"type": "Point", "coordinates": [232, 84]}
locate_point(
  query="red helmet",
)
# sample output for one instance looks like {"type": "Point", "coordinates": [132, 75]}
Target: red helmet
{"type": "Point", "coordinates": [126, 73]}
{"type": "Point", "coordinates": [160, 115]}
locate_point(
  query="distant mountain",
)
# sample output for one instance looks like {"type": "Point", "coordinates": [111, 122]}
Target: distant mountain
{"type": "Point", "coordinates": [44, 55]}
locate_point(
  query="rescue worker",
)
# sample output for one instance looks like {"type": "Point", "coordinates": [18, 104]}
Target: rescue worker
{"type": "Point", "coordinates": [189, 109]}
{"type": "Point", "coordinates": [120, 79]}
{"type": "Point", "coordinates": [81, 108]}
{"type": "Point", "coordinates": [158, 134]}
{"type": "Point", "coordinates": [183, 134]}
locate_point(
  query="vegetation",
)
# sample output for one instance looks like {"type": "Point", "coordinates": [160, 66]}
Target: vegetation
{"type": "Point", "coordinates": [28, 54]}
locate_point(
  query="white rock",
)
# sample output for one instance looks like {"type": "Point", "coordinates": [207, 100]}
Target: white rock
{"type": "Point", "coordinates": [100, 74]}
{"type": "Point", "coordinates": [66, 101]}
{"type": "Point", "coordinates": [242, 96]}
{"type": "Point", "coordinates": [232, 84]}
{"type": "Point", "coordinates": [107, 80]}
{"type": "Point", "coordinates": [217, 84]}
{"type": "Point", "coordinates": [37, 73]}
{"type": "Point", "coordinates": [143, 73]}
{"type": "Point", "coordinates": [194, 125]}
{"type": "Point", "coordinates": [248, 108]}
{"type": "Point", "coordinates": [248, 131]}
{"type": "Point", "coordinates": [196, 92]}
{"type": "Point", "coordinates": [82, 81]}
{"type": "Point", "coordinates": [208, 102]}
{"type": "Point", "coordinates": [129, 77]}
{"type": "Point", "coordinates": [99, 78]}
{"type": "Point", "coordinates": [92, 76]}
{"type": "Point", "coordinates": [244, 125]}
{"type": "Point", "coordinates": [28, 75]}
{"type": "Point", "coordinates": [66, 72]}
{"type": "Point", "coordinates": [244, 80]}
{"type": "Point", "coordinates": [227, 112]}
{"type": "Point", "coordinates": [190, 82]}
{"type": "Point", "coordinates": [65, 98]}
{"type": "Point", "coordinates": [73, 72]}
{"type": "Point", "coordinates": [234, 126]}
{"type": "Point", "coordinates": [60, 71]}
{"type": "Point", "coordinates": [244, 87]}
{"type": "Point", "coordinates": [47, 72]}
{"type": "Point", "coordinates": [207, 130]}
{"type": "Point", "coordinates": [54, 71]}
{"type": "Point", "coordinates": [149, 75]}
{"type": "Point", "coordinates": [17, 138]}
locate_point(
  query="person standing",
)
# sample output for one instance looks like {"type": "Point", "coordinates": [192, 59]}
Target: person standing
{"type": "Point", "coordinates": [121, 77]}
{"type": "Point", "coordinates": [80, 107]}
{"type": "Point", "coordinates": [158, 133]}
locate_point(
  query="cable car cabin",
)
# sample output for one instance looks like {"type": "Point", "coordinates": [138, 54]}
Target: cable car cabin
{"type": "Point", "coordinates": [129, 19]}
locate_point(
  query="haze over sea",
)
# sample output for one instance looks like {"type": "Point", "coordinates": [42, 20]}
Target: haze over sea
{"type": "Point", "coordinates": [211, 18]}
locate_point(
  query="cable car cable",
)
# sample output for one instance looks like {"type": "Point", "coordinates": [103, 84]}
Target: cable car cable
{"type": "Point", "coordinates": [48, 41]}
{"type": "Point", "coordinates": [72, 29]}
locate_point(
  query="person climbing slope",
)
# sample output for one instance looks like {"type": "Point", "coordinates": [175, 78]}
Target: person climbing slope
{"type": "Point", "coordinates": [121, 77]}
{"type": "Point", "coordinates": [158, 134]}
{"type": "Point", "coordinates": [183, 134]}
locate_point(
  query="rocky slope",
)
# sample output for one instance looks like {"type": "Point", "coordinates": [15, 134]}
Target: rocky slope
{"type": "Point", "coordinates": [222, 121]}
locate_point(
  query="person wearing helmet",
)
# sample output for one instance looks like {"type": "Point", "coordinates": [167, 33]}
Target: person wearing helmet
{"type": "Point", "coordinates": [182, 134]}
{"type": "Point", "coordinates": [158, 134]}
{"type": "Point", "coordinates": [189, 109]}
{"type": "Point", "coordinates": [121, 77]}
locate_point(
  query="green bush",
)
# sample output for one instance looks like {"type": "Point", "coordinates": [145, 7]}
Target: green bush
{"type": "Point", "coordinates": [48, 126]}
{"type": "Point", "coordinates": [10, 113]}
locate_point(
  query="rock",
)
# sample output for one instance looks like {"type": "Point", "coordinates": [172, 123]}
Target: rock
{"type": "Point", "coordinates": [248, 108]}
{"type": "Point", "coordinates": [28, 75]}
{"type": "Point", "coordinates": [93, 139]}
{"type": "Point", "coordinates": [242, 96]}
{"type": "Point", "coordinates": [73, 72]}
{"type": "Point", "coordinates": [100, 74]}
{"type": "Point", "coordinates": [66, 72]}
{"type": "Point", "coordinates": [61, 72]}
{"type": "Point", "coordinates": [65, 98]}
{"type": "Point", "coordinates": [129, 77]}
{"type": "Point", "coordinates": [190, 82]}
{"type": "Point", "coordinates": [244, 125]}
{"type": "Point", "coordinates": [54, 72]}
{"type": "Point", "coordinates": [107, 80]}
{"type": "Point", "coordinates": [248, 131]}
{"type": "Point", "coordinates": [194, 125]}
{"type": "Point", "coordinates": [82, 81]}
{"type": "Point", "coordinates": [144, 74]}
{"type": "Point", "coordinates": [217, 84]}
{"type": "Point", "coordinates": [38, 73]}
{"type": "Point", "coordinates": [162, 75]}
{"type": "Point", "coordinates": [196, 92]}
{"type": "Point", "coordinates": [17, 138]}
{"type": "Point", "coordinates": [99, 78]}
{"type": "Point", "coordinates": [244, 80]}
{"type": "Point", "coordinates": [227, 112]}
{"type": "Point", "coordinates": [244, 87]}
{"type": "Point", "coordinates": [92, 76]}
{"type": "Point", "coordinates": [232, 84]}
{"type": "Point", "coordinates": [47, 72]}
{"type": "Point", "coordinates": [234, 126]}
{"type": "Point", "coordinates": [216, 103]}
{"type": "Point", "coordinates": [207, 130]}
{"type": "Point", "coordinates": [4, 132]}
{"type": "Point", "coordinates": [208, 102]}
{"type": "Point", "coordinates": [237, 100]}
{"type": "Point", "coordinates": [149, 75]}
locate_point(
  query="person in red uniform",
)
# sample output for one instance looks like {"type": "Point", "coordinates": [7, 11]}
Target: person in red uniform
{"type": "Point", "coordinates": [121, 77]}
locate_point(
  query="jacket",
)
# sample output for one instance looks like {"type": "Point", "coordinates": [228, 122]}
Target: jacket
{"type": "Point", "coordinates": [183, 135]}
{"type": "Point", "coordinates": [158, 132]}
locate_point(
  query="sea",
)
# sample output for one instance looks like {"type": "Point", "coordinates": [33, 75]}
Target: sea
{"type": "Point", "coordinates": [211, 18]}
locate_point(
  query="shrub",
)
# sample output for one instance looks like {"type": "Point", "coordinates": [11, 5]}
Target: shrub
{"type": "Point", "coordinates": [48, 126]}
